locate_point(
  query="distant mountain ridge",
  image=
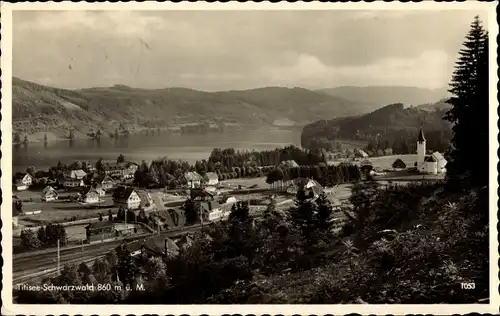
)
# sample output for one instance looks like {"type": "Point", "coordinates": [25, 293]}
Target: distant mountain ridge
{"type": "Point", "coordinates": [383, 95]}
{"type": "Point", "coordinates": [37, 108]}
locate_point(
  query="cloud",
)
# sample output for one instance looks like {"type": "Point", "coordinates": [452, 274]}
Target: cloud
{"type": "Point", "coordinates": [220, 50]}
{"type": "Point", "coordinates": [429, 70]}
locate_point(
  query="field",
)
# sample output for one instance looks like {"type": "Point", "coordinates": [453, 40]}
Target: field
{"type": "Point", "coordinates": [233, 184]}
{"type": "Point", "coordinates": [76, 232]}
{"type": "Point", "coordinates": [61, 210]}
{"type": "Point", "coordinates": [385, 162]}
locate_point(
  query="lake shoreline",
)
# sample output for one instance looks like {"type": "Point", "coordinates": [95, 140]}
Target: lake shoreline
{"type": "Point", "coordinates": [139, 147]}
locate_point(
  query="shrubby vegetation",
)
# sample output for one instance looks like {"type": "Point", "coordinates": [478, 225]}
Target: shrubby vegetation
{"type": "Point", "coordinates": [45, 236]}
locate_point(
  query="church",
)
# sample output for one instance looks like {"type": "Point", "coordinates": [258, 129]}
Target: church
{"type": "Point", "coordinates": [432, 164]}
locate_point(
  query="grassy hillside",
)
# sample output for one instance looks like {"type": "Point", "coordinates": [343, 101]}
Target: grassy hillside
{"type": "Point", "coordinates": [38, 108]}
{"type": "Point", "coordinates": [381, 95]}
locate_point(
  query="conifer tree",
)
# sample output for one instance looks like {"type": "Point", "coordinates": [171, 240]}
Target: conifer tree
{"type": "Point", "coordinates": [469, 86]}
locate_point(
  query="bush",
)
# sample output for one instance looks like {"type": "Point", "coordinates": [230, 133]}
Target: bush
{"type": "Point", "coordinates": [29, 239]}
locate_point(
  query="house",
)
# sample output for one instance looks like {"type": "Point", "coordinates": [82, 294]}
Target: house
{"type": "Point", "coordinates": [126, 197]}
{"type": "Point", "coordinates": [129, 170]}
{"type": "Point", "coordinates": [432, 164]}
{"type": "Point", "coordinates": [311, 187]}
{"type": "Point", "coordinates": [212, 211]}
{"type": "Point", "coordinates": [22, 181]}
{"type": "Point", "coordinates": [120, 169]}
{"type": "Point", "coordinates": [157, 246]}
{"type": "Point", "coordinates": [49, 194]}
{"type": "Point", "coordinates": [106, 229]}
{"type": "Point", "coordinates": [105, 182]}
{"type": "Point", "coordinates": [441, 162]}
{"type": "Point", "coordinates": [360, 154]}
{"type": "Point", "coordinates": [211, 180]}
{"type": "Point", "coordinates": [201, 194]}
{"type": "Point", "coordinates": [98, 188]}
{"type": "Point", "coordinates": [76, 174]}
{"type": "Point", "coordinates": [398, 164]}
{"type": "Point", "coordinates": [89, 195]}
{"type": "Point", "coordinates": [146, 199]}
{"type": "Point", "coordinates": [193, 179]}
{"type": "Point", "coordinates": [289, 164]}
{"type": "Point", "coordinates": [69, 182]}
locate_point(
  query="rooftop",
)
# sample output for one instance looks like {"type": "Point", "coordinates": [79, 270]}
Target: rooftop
{"type": "Point", "coordinates": [211, 176]}
{"type": "Point", "coordinates": [122, 193]}
{"type": "Point", "coordinates": [192, 176]}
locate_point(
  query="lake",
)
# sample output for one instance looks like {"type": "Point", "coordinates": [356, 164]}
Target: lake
{"type": "Point", "coordinates": [136, 148]}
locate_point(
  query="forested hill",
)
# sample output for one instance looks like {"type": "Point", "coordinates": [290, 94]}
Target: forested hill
{"type": "Point", "coordinates": [392, 123]}
{"type": "Point", "coordinates": [37, 108]}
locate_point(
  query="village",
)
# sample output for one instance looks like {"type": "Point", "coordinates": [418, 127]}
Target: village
{"type": "Point", "coordinates": [97, 206]}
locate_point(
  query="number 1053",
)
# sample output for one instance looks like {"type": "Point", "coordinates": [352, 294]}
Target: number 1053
{"type": "Point", "coordinates": [468, 286]}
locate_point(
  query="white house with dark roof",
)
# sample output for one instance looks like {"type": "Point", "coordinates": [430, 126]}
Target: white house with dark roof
{"type": "Point", "coordinates": [432, 164]}
{"type": "Point", "coordinates": [77, 174]}
{"type": "Point", "coordinates": [193, 179]}
{"type": "Point", "coordinates": [310, 186]}
{"type": "Point", "coordinates": [126, 197]}
{"type": "Point", "coordinates": [23, 181]}
{"type": "Point", "coordinates": [211, 180]}
{"type": "Point", "coordinates": [49, 194]}
{"type": "Point", "coordinates": [89, 195]}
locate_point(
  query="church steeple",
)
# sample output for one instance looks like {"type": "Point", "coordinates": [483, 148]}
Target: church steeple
{"type": "Point", "coordinates": [421, 137]}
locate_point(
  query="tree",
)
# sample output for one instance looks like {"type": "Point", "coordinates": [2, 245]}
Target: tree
{"type": "Point", "coordinates": [99, 165]}
{"type": "Point", "coordinates": [324, 215]}
{"type": "Point", "coordinates": [190, 211]}
{"type": "Point", "coordinates": [41, 235]}
{"type": "Point", "coordinates": [302, 215]}
{"type": "Point", "coordinates": [54, 233]}
{"type": "Point", "coordinates": [240, 212]}
{"type": "Point", "coordinates": [469, 112]}
{"type": "Point", "coordinates": [120, 159]}
{"type": "Point", "coordinates": [17, 138]}
{"type": "Point", "coordinates": [29, 239]}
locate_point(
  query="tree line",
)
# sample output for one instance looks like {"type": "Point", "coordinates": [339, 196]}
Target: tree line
{"type": "Point", "coordinates": [227, 163]}
{"type": "Point", "coordinates": [325, 175]}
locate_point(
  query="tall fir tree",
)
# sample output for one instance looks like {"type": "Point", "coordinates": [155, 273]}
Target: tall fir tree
{"type": "Point", "coordinates": [468, 160]}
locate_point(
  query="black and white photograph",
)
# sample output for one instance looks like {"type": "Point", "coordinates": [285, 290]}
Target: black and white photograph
{"type": "Point", "coordinates": [337, 157]}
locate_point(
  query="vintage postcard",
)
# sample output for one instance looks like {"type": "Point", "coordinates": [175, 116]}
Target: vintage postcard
{"type": "Point", "coordinates": [250, 158]}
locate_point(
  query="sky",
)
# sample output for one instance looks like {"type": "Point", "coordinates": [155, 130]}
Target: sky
{"type": "Point", "coordinates": [232, 50]}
